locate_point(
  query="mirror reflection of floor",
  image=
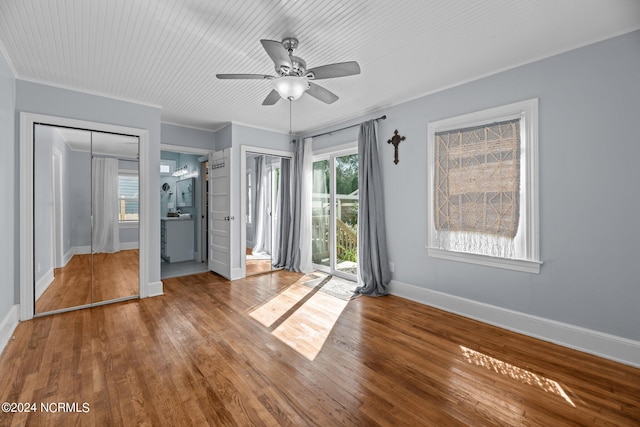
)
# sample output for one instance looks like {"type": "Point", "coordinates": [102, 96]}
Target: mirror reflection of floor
{"type": "Point", "coordinates": [115, 275]}
{"type": "Point", "coordinates": [257, 263]}
{"type": "Point", "coordinates": [257, 266]}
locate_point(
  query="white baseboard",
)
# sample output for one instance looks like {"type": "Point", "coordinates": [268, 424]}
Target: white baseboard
{"type": "Point", "coordinates": [67, 257]}
{"type": "Point", "coordinates": [43, 283]}
{"type": "Point", "coordinates": [152, 289]}
{"type": "Point", "coordinates": [81, 250]}
{"type": "Point", "coordinates": [601, 344]}
{"type": "Point", "coordinates": [8, 325]}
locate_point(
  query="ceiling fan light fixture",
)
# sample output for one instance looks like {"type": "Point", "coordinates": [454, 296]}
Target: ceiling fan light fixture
{"type": "Point", "coordinates": [290, 87]}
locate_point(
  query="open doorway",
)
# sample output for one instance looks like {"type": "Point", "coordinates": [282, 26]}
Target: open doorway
{"type": "Point", "coordinates": [183, 211]}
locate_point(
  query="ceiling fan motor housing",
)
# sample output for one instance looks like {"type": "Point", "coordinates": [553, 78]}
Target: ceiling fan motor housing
{"type": "Point", "coordinates": [299, 66]}
{"type": "Point", "coordinates": [298, 70]}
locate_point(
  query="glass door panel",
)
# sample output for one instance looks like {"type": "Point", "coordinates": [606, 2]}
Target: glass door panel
{"type": "Point", "coordinates": [346, 214]}
{"type": "Point", "coordinates": [335, 214]}
{"type": "Point", "coordinates": [321, 215]}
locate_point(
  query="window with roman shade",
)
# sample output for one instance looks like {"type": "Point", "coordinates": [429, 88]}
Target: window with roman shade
{"type": "Point", "coordinates": [483, 191]}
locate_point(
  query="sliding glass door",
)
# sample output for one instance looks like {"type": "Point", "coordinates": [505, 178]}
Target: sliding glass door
{"type": "Point", "coordinates": [335, 214]}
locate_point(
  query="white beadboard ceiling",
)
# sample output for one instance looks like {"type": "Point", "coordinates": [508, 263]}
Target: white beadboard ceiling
{"type": "Point", "coordinates": [167, 52]}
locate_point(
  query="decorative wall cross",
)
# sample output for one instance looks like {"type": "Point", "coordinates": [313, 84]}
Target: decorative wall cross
{"type": "Point", "coordinates": [395, 140]}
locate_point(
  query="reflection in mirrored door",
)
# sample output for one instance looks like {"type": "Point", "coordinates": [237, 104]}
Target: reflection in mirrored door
{"type": "Point", "coordinates": [260, 178]}
{"type": "Point", "coordinates": [267, 197]}
{"type": "Point", "coordinates": [115, 211]}
{"type": "Point", "coordinates": [79, 173]}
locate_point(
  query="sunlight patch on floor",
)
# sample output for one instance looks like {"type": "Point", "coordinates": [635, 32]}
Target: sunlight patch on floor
{"type": "Point", "coordinates": [268, 313]}
{"type": "Point", "coordinates": [307, 329]}
{"type": "Point", "coordinates": [518, 374]}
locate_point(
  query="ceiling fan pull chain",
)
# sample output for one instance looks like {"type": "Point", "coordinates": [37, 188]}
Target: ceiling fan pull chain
{"type": "Point", "coordinates": [290, 133]}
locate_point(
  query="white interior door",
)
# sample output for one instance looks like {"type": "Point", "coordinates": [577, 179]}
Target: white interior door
{"type": "Point", "coordinates": [220, 213]}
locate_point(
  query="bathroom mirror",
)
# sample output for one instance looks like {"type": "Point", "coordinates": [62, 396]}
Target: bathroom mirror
{"type": "Point", "coordinates": [184, 193]}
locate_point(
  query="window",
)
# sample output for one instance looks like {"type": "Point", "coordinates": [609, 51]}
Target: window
{"type": "Point", "coordinates": [483, 188]}
{"type": "Point", "coordinates": [128, 197]}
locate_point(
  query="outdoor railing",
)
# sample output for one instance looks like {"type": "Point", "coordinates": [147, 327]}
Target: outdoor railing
{"type": "Point", "coordinates": [346, 239]}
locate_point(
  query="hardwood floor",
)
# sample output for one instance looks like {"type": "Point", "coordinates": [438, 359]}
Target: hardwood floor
{"type": "Point", "coordinates": [197, 356]}
{"type": "Point", "coordinates": [113, 276]}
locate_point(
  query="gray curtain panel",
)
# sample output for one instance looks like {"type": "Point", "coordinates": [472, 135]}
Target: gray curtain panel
{"type": "Point", "coordinates": [294, 257]}
{"type": "Point", "coordinates": [373, 261]}
{"type": "Point", "coordinates": [283, 219]}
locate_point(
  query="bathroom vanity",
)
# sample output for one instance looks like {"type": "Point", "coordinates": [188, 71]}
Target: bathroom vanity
{"type": "Point", "coordinates": [176, 237]}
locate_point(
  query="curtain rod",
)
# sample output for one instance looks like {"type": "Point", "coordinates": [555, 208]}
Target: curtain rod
{"type": "Point", "coordinates": [344, 128]}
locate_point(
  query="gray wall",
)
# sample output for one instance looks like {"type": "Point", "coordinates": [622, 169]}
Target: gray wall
{"type": "Point", "coordinates": [43, 99]}
{"type": "Point", "coordinates": [188, 137]}
{"type": "Point", "coordinates": [78, 206]}
{"type": "Point", "coordinates": [589, 204]}
{"type": "Point", "coordinates": [224, 138]}
{"type": "Point", "coordinates": [9, 223]}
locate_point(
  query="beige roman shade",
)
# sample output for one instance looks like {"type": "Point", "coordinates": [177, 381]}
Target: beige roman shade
{"type": "Point", "coordinates": [477, 179]}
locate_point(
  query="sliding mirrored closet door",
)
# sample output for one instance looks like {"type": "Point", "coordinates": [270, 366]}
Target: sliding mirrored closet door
{"type": "Point", "coordinates": [86, 218]}
{"type": "Point", "coordinates": [266, 198]}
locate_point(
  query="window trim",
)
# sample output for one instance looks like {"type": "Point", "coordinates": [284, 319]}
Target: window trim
{"type": "Point", "coordinates": [528, 112]}
{"type": "Point", "coordinates": [129, 223]}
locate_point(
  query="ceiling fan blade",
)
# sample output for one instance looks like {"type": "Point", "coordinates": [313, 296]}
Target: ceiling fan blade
{"type": "Point", "coordinates": [278, 53]}
{"type": "Point", "coordinates": [341, 69]}
{"type": "Point", "coordinates": [244, 76]}
{"type": "Point", "coordinates": [321, 93]}
{"type": "Point", "coordinates": [272, 98]}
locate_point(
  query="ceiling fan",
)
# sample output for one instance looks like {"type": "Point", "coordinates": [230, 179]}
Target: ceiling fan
{"type": "Point", "coordinates": [292, 78]}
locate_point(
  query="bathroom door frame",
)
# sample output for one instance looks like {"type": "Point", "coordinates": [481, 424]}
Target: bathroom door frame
{"type": "Point", "coordinates": [27, 124]}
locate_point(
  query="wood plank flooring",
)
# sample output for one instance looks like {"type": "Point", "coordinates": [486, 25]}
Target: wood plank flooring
{"type": "Point", "coordinates": [92, 278]}
{"type": "Point", "coordinates": [196, 356]}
